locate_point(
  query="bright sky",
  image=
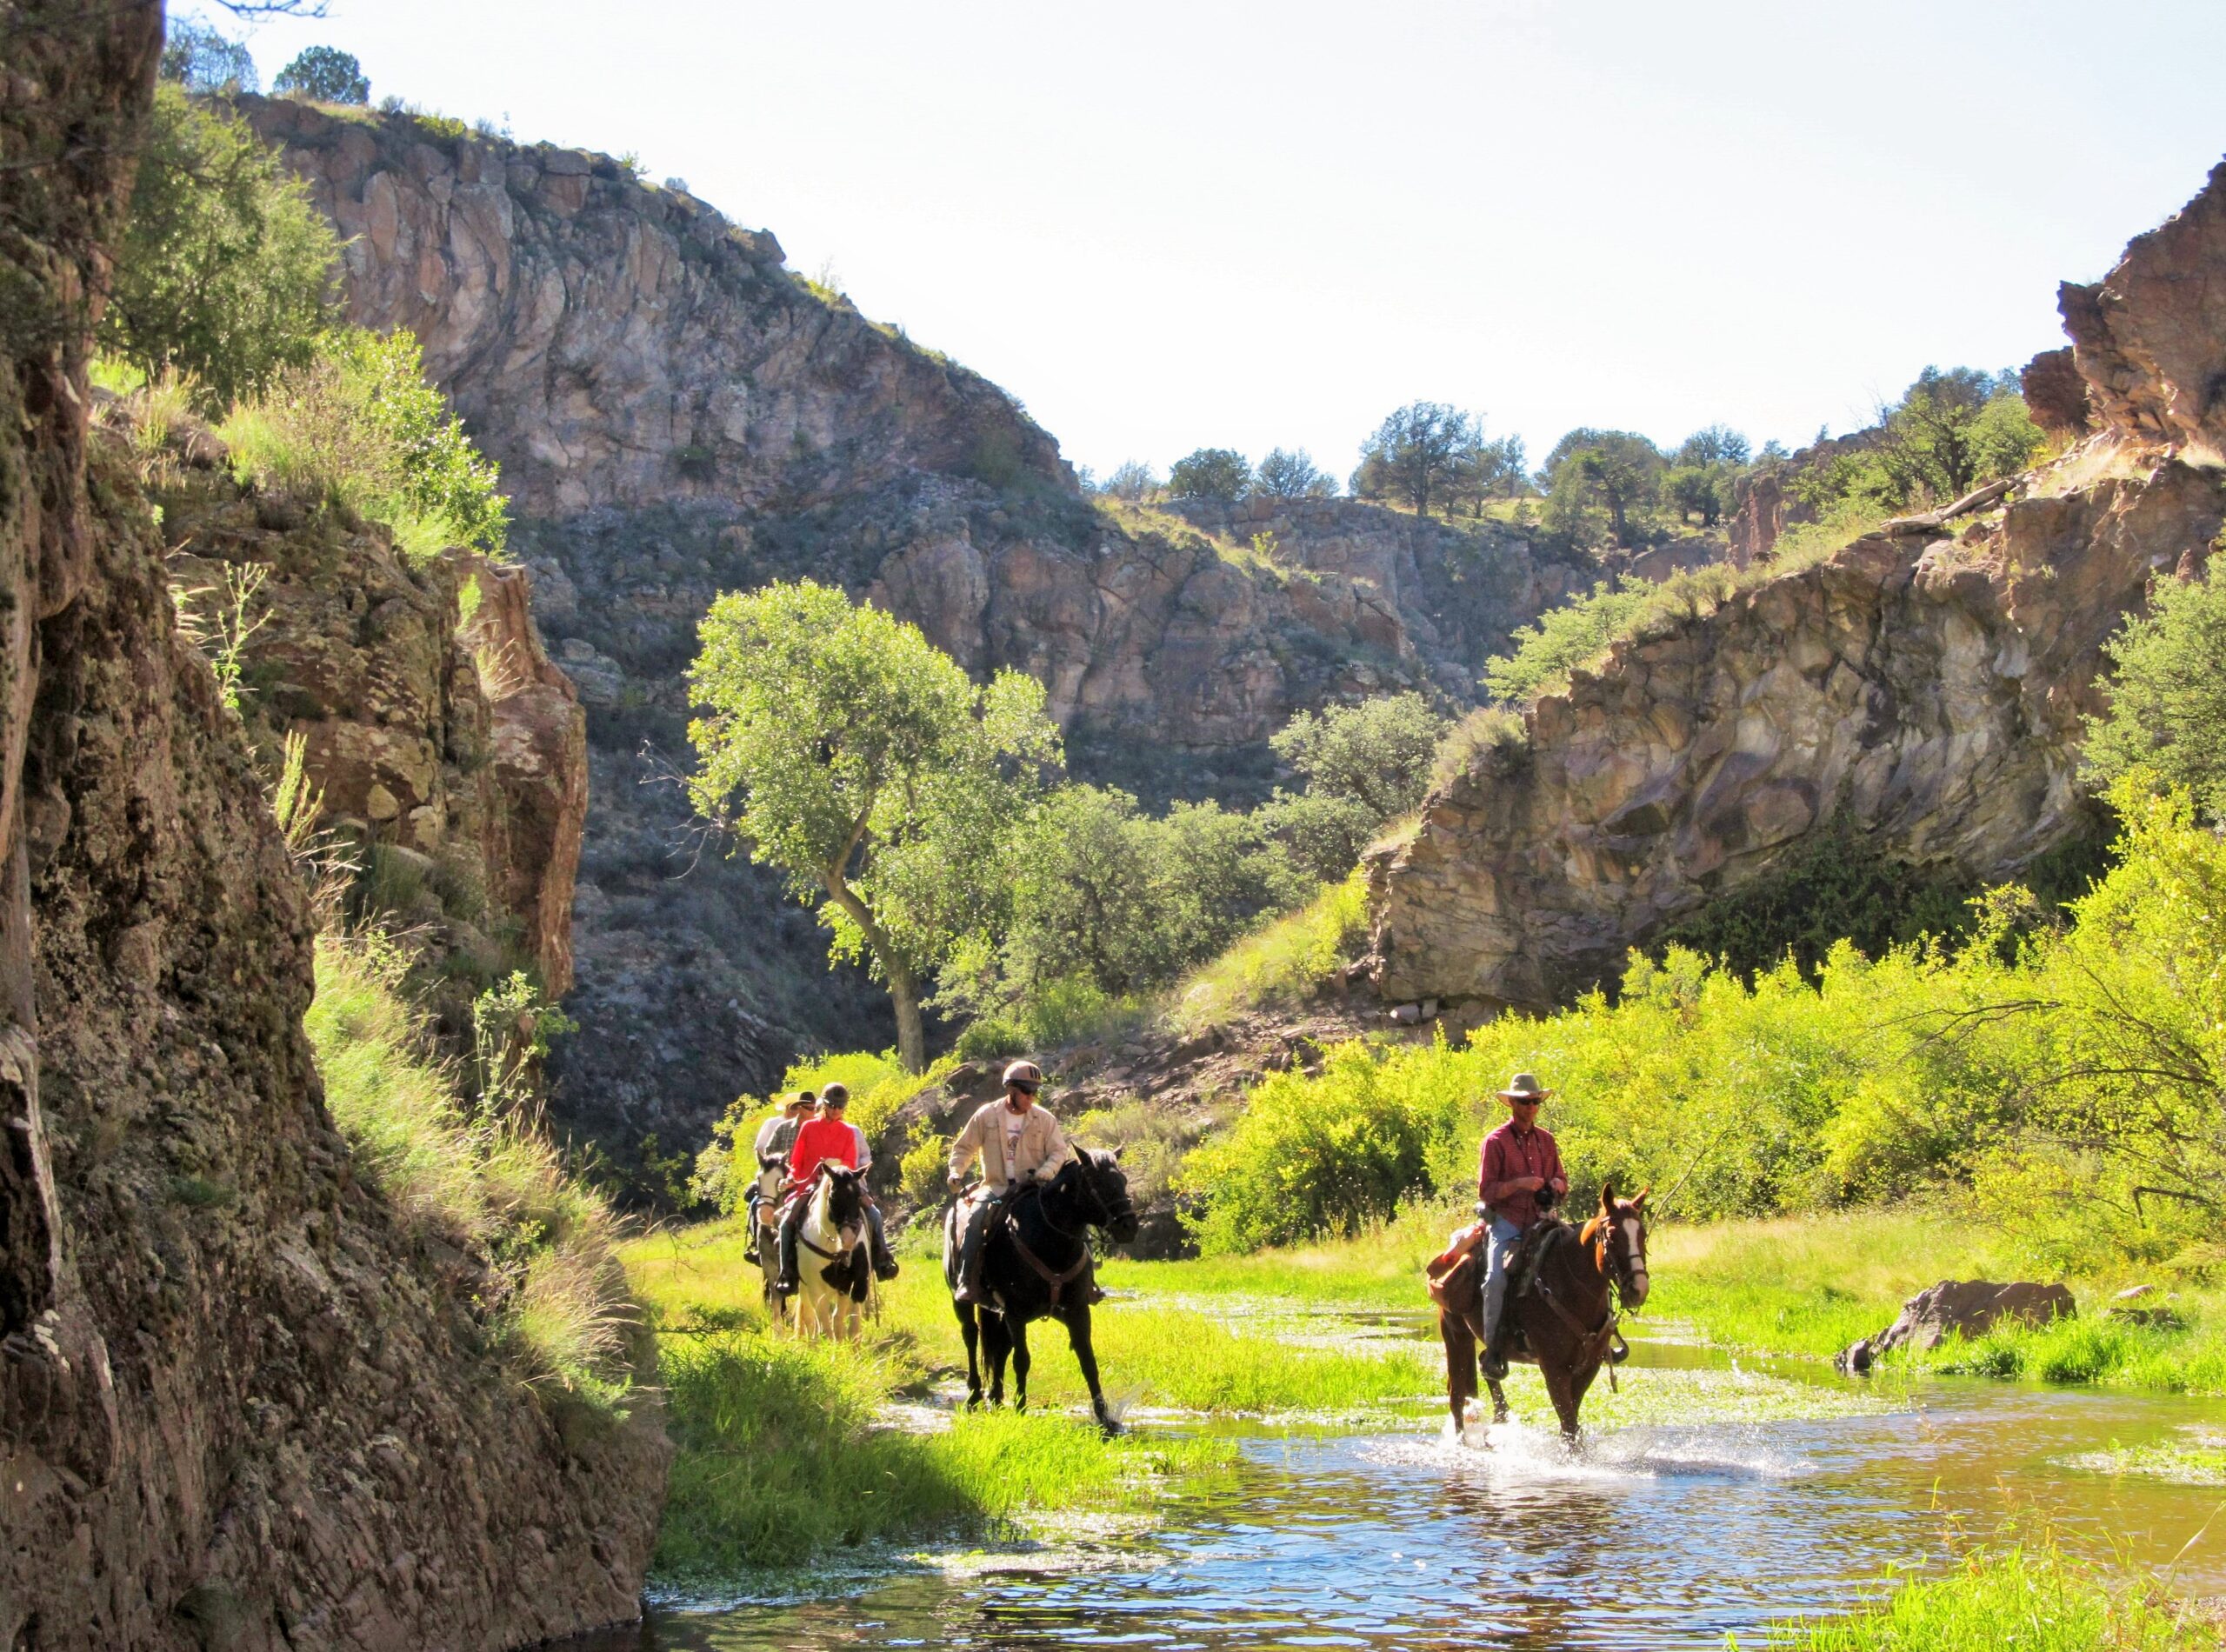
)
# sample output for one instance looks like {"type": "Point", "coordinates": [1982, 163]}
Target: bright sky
{"type": "Point", "coordinates": [1173, 223]}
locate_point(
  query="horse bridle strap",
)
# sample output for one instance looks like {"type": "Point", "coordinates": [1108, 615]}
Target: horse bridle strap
{"type": "Point", "coordinates": [1057, 1281]}
{"type": "Point", "coordinates": [1592, 1343]}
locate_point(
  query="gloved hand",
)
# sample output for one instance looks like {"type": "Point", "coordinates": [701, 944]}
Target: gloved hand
{"type": "Point", "coordinates": [957, 1183]}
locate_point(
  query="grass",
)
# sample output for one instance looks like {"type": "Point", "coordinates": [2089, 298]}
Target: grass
{"type": "Point", "coordinates": [1283, 963]}
{"type": "Point", "coordinates": [2034, 1600]}
{"type": "Point", "coordinates": [495, 1185]}
{"type": "Point", "coordinates": [786, 1453]}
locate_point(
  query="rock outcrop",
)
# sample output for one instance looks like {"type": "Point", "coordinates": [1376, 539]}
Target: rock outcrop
{"type": "Point", "coordinates": [1925, 685]}
{"type": "Point", "coordinates": [1961, 1308]}
{"type": "Point", "coordinates": [675, 414]}
{"type": "Point", "coordinates": [241, 1404]}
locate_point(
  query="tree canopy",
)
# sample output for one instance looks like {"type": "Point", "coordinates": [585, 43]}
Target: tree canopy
{"type": "Point", "coordinates": [1415, 454]}
{"type": "Point", "coordinates": [2168, 695]}
{"type": "Point", "coordinates": [1289, 474]}
{"type": "Point", "coordinates": [198, 58]}
{"type": "Point", "coordinates": [851, 753]}
{"type": "Point", "coordinates": [1211, 473]}
{"type": "Point", "coordinates": [225, 268]}
{"type": "Point", "coordinates": [326, 73]}
{"type": "Point", "coordinates": [1363, 765]}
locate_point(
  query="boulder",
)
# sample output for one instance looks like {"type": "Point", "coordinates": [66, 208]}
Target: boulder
{"type": "Point", "coordinates": [1963, 1308]}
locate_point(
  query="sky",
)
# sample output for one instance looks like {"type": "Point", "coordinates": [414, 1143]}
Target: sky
{"type": "Point", "coordinates": [1164, 226]}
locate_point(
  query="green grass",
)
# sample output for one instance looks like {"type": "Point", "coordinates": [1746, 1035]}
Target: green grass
{"type": "Point", "coordinates": [785, 1449]}
{"type": "Point", "coordinates": [2030, 1600]}
{"type": "Point", "coordinates": [1283, 963]}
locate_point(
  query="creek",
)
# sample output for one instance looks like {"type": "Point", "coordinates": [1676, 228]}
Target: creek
{"type": "Point", "coordinates": [1663, 1533]}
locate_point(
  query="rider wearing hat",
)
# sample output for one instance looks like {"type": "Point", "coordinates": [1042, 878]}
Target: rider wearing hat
{"type": "Point", "coordinates": [775, 1136]}
{"type": "Point", "coordinates": [1017, 1143]}
{"type": "Point", "coordinates": [1519, 1177]}
{"type": "Point", "coordinates": [831, 1138]}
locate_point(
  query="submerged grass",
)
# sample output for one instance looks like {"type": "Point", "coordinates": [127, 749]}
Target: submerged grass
{"type": "Point", "coordinates": [2035, 1599]}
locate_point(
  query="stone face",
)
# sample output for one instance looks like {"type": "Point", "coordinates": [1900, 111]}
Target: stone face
{"type": "Point", "coordinates": [241, 1404]}
{"type": "Point", "coordinates": [2149, 338]}
{"type": "Point", "coordinates": [1927, 687]}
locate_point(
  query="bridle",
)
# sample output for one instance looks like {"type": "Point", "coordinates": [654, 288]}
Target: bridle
{"type": "Point", "coordinates": [1622, 1256]}
{"type": "Point", "coordinates": [1106, 1216]}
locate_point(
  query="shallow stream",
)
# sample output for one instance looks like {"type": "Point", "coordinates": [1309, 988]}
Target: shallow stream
{"type": "Point", "coordinates": [1666, 1533]}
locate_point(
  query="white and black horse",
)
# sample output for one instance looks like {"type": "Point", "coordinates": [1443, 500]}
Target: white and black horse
{"type": "Point", "coordinates": [1036, 1264]}
{"type": "Point", "coordinates": [834, 1271]}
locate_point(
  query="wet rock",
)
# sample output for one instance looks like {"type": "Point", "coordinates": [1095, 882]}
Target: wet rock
{"type": "Point", "coordinates": [1961, 1308]}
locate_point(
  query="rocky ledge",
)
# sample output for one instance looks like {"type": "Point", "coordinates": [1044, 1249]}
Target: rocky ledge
{"type": "Point", "coordinates": [1924, 685]}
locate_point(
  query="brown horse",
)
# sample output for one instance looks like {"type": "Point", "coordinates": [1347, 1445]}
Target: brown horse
{"type": "Point", "coordinates": [1566, 1315]}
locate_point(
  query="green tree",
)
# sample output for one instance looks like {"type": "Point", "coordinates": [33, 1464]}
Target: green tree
{"type": "Point", "coordinates": [2168, 694]}
{"type": "Point", "coordinates": [225, 269]}
{"type": "Point", "coordinates": [1363, 765]}
{"type": "Point", "coordinates": [850, 752]}
{"type": "Point", "coordinates": [1713, 445]}
{"type": "Point", "coordinates": [1416, 455]}
{"type": "Point", "coordinates": [199, 59]}
{"type": "Point", "coordinates": [326, 73]}
{"type": "Point", "coordinates": [1133, 481]}
{"type": "Point", "coordinates": [1293, 476]}
{"type": "Point", "coordinates": [1086, 899]}
{"type": "Point", "coordinates": [1952, 430]}
{"type": "Point", "coordinates": [1703, 490]}
{"type": "Point", "coordinates": [1211, 473]}
{"type": "Point", "coordinates": [1613, 470]}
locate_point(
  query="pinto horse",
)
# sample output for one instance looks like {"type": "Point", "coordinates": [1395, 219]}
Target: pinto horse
{"type": "Point", "coordinates": [1036, 1264]}
{"type": "Point", "coordinates": [1566, 1315]}
{"type": "Point", "coordinates": [834, 1274]}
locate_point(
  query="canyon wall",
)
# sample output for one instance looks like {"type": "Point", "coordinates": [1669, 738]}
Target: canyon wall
{"type": "Point", "coordinates": [676, 413]}
{"type": "Point", "coordinates": [244, 1404]}
{"type": "Point", "coordinates": [1925, 684]}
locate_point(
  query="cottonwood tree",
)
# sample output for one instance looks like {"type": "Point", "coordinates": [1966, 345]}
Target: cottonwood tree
{"type": "Point", "coordinates": [1414, 455]}
{"type": "Point", "coordinates": [1363, 765]}
{"type": "Point", "coordinates": [846, 749]}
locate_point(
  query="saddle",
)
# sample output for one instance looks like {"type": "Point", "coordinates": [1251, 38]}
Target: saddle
{"type": "Point", "coordinates": [1457, 1277]}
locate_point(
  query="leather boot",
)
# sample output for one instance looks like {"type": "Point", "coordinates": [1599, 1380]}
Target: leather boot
{"type": "Point", "coordinates": [786, 1284]}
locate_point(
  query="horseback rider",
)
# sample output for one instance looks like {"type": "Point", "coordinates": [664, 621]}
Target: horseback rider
{"type": "Point", "coordinates": [1017, 1143]}
{"type": "Point", "coordinates": [1518, 1179]}
{"type": "Point", "coordinates": [775, 1136]}
{"type": "Point", "coordinates": [831, 1138]}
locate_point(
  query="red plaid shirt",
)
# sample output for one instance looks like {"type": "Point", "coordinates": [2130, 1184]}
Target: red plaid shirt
{"type": "Point", "coordinates": [1509, 1152]}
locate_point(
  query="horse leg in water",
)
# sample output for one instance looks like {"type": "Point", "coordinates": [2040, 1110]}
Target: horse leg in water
{"type": "Point", "coordinates": [996, 1344]}
{"type": "Point", "coordinates": [1460, 1365]}
{"type": "Point", "coordinates": [1566, 1389]}
{"type": "Point", "coordinates": [1019, 1330]}
{"type": "Point", "coordinates": [1077, 1320]}
{"type": "Point", "coordinates": [1499, 1401]}
{"type": "Point", "coordinates": [972, 1334]}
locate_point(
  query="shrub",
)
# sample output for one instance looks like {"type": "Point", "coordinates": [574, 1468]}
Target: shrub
{"type": "Point", "coordinates": [1211, 473]}
{"type": "Point", "coordinates": [225, 268]}
{"type": "Point", "coordinates": [1319, 1156]}
{"type": "Point", "coordinates": [1363, 765]}
{"type": "Point", "coordinates": [358, 427]}
{"type": "Point", "coordinates": [2168, 697]}
{"type": "Point", "coordinates": [1487, 729]}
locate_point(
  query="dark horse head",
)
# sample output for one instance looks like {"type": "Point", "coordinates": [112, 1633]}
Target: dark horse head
{"type": "Point", "coordinates": [1091, 1184]}
{"type": "Point", "coordinates": [1618, 1238]}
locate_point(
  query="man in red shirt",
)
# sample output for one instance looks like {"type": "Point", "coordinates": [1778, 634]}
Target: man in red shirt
{"type": "Point", "coordinates": [1519, 1163]}
{"type": "Point", "coordinates": [829, 1138]}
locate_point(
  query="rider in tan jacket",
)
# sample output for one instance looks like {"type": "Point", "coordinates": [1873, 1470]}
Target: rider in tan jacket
{"type": "Point", "coordinates": [1017, 1143]}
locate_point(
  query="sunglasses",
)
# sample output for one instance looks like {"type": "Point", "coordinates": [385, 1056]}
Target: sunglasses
{"type": "Point", "coordinates": [1527, 1101]}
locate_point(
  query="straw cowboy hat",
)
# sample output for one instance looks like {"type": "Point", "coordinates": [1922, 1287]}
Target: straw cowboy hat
{"type": "Point", "coordinates": [1524, 1087]}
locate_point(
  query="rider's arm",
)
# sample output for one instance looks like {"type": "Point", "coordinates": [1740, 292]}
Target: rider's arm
{"type": "Point", "coordinates": [1056, 1152]}
{"type": "Point", "coordinates": [966, 1147]}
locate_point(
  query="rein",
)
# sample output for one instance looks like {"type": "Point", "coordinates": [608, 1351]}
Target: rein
{"type": "Point", "coordinates": [1059, 1281]}
{"type": "Point", "coordinates": [1594, 1343]}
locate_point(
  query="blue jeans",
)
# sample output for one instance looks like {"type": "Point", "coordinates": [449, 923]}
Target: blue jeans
{"type": "Point", "coordinates": [1505, 1235]}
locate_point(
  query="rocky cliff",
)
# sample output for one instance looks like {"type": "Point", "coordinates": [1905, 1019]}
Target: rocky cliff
{"type": "Point", "coordinates": [448, 749]}
{"type": "Point", "coordinates": [242, 1404]}
{"type": "Point", "coordinates": [675, 414]}
{"type": "Point", "coordinates": [1924, 685]}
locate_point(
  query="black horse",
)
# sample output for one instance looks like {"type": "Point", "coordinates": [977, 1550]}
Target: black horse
{"type": "Point", "coordinates": [1035, 1263]}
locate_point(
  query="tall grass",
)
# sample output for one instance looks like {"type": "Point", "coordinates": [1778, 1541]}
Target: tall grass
{"type": "Point", "coordinates": [2034, 1600]}
{"type": "Point", "coordinates": [491, 1182]}
{"type": "Point", "coordinates": [1285, 963]}
{"type": "Point", "coordinates": [788, 1451]}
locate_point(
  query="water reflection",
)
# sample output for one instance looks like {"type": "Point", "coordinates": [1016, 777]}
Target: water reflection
{"type": "Point", "coordinates": [1655, 1536]}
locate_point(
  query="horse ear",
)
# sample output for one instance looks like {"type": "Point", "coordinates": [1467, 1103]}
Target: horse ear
{"type": "Point", "coordinates": [1607, 1195]}
{"type": "Point", "coordinates": [1642, 1192]}
{"type": "Point", "coordinates": [1114, 1154]}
